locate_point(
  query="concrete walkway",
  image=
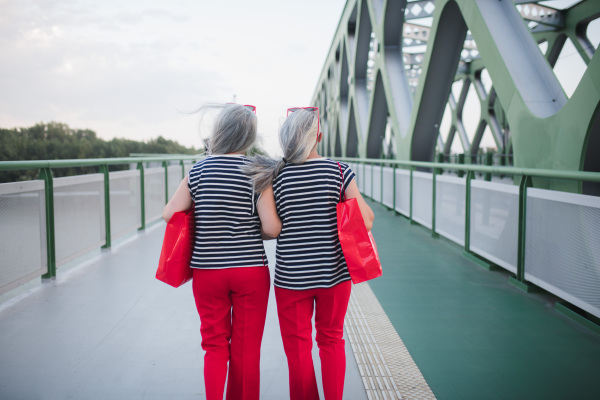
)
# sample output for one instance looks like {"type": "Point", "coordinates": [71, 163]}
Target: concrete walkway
{"type": "Point", "coordinates": [109, 330]}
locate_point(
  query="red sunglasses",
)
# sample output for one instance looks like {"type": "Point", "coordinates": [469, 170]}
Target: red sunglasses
{"type": "Point", "coordinates": [311, 109]}
{"type": "Point", "coordinates": [248, 106]}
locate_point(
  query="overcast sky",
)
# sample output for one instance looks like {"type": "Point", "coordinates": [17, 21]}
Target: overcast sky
{"type": "Point", "coordinates": [128, 68]}
{"type": "Point", "coordinates": [133, 68]}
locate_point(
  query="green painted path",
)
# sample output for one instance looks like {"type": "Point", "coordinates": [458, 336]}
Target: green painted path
{"type": "Point", "coordinates": [472, 334]}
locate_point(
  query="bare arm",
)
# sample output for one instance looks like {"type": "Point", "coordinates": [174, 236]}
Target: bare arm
{"type": "Point", "coordinates": [181, 201]}
{"type": "Point", "coordinates": [267, 212]}
{"type": "Point", "coordinates": [367, 214]}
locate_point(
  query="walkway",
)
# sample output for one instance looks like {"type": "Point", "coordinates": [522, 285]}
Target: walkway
{"type": "Point", "coordinates": [109, 330]}
{"type": "Point", "coordinates": [471, 333]}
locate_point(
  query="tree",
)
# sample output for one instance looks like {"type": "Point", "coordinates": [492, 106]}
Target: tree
{"type": "Point", "coordinates": [57, 141]}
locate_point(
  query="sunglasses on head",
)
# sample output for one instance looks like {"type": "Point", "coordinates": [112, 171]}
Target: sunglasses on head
{"type": "Point", "coordinates": [248, 106]}
{"type": "Point", "coordinates": [311, 109]}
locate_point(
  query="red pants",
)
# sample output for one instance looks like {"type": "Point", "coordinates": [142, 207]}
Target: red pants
{"type": "Point", "coordinates": [232, 304]}
{"type": "Point", "coordinates": [295, 311]}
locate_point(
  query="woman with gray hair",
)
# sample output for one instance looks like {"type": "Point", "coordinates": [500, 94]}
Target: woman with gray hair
{"type": "Point", "coordinates": [231, 280]}
{"type": "Point", "coordinates": [310, 271]}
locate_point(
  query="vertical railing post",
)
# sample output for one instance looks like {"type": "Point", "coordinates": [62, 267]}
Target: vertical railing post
{"type": "Point", "coordinates": [461, 160]}
{"type": "Point", "coordinates": [433, 201]}
{"type": "Point", "coordinates": [519, 280]}
{"type": "Point", "coordinates": [165, 165]}
{"type": "Point", "coordinates": [381, 183]}
{"type": "Point", "coordinates": [104, 171]}
{"type": "Point", "coordinates": [140, 167]}
{"type": "Point", "coordinates": [488, 160]}
{"type": "Point", "coordinates": [46, 175]}
{"type": "Point", "coordinates": [394, 188]}
{"type": "Point", "coordinates": [182, 169]}
{"type": "Point", "coordinates": [364, 176]}
{"type": "Point", "coordinates": [470, 176]}
{"type": "Point", "coordinates": [440, 159]}
{"type": "Point", "coordinates": [410, 207]}
{"type": "Point", "coordinates": [372, 181]}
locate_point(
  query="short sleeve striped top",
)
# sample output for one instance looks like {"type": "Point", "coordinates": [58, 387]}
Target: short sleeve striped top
{"type": "Point", "coordinates": [227, 223]}
{"type": "Point", "coordinates": [309, 254]}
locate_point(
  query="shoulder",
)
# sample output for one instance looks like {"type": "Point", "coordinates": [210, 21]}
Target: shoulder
{"type": "Point", "coordinates": [335, 163]}
{"type": "Point", "coordinates": [339, 165]}
{"type": "Point", "coordinates": [198, 166]}
{"type": "Point", "coordinates": [344, 166]}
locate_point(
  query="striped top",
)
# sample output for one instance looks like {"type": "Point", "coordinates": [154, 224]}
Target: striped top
{"type": "Point", "coordinates": [309, 254]}
{"type": "Point", "coordinates": [227, 223]}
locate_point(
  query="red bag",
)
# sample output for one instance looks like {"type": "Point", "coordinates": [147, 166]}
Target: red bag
{"type": "Point", "coordinates": [358, 245]}
{"type": "Point", "coordinates": [176, 254]}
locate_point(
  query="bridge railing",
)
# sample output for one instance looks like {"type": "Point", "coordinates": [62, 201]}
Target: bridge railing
{"type": "Point", "coordinates": [544, 237]}
{"type": "Point", "coordinates": [48, 222]}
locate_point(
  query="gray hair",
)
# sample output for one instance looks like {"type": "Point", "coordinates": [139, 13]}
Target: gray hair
{"type": "Point", "coordinates": [297, 137]}
{"type": "Point", "coordinates": [234, 129]}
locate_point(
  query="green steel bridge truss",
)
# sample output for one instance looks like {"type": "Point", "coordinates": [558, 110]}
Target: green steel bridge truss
{"type": "Point", "coordinates": [389, 75]}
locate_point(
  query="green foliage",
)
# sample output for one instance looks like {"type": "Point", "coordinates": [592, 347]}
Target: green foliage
{"type": "Point", "coordinates": [56, 141]}
{"type": "Point", "coordinates": [257, 151]}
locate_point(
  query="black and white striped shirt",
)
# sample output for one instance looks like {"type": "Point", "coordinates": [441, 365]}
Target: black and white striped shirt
{"type": "Point", "coordinates": [309, 254]}
{"type": "Point", "coordinates": [227, 223]}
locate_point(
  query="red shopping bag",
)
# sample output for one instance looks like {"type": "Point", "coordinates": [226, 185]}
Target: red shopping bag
{"type": "Point", "coordinates": [178, 245]}
{"type": "Point", "coordinates": [358, 245]}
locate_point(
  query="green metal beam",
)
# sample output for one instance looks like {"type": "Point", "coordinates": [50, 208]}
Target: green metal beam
{"type": "Point", "coordinates": [531, 120]}
{"type": "Point", "coordinates": [36, 164]}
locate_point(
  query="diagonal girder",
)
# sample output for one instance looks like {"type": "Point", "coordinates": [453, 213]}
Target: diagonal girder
{"type": "Point", "coordinates": [395, 61]}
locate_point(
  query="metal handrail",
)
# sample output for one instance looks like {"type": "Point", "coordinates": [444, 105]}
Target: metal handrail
{"type": "Point", "coordinates": [87, 162]}
{"type": "Point", "coordinates": [497, 170]}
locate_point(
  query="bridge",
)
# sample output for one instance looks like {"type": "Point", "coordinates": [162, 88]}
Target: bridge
{"type": "Point", "coordinates": [491, 285]}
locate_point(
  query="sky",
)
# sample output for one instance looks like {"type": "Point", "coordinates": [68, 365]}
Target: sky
{"type": "Point", "coordinates": [136, 69]}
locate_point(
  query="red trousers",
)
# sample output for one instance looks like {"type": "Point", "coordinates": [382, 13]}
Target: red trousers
{"type": "Point", "coordinates": [295, 310]}
{"type": "Point", "coordinates": [232, 304]}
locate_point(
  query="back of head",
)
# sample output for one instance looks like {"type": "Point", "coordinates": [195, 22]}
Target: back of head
{"type": "Point", "coordinates": [234, 129]}
{"type": "Point", "coordinates": [298, 137]}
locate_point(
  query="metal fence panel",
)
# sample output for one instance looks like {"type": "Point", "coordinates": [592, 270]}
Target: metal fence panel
{"type": "Point", "coordinates": [388, 187]}
{"type": "Point", "coordinates": [22, 233]}
{"type": "Point", "coordinates": [403, 191]}
{"type": "Point", "coordinates": [174, 178]}
{"type": "Point", "coordinates": [450, 207]}
{"type": "Point", "coordinates": [78, 215]}
{"type": "Point", "coordinates": [368, 185]}
{"type": "Point", "coordinates": [562, 246]}
{"type": "Point", "coordinates": [376, 195]}
{"type": "Point", "coordinates": [187, 166]}
{"type": "Point", "coordinates": [154, 186]}
{"type": "Point", "coordinates": [125, 208]}
{"type": "Point", "coordinates": [494, 222]}
{"type": "Point", "coordinates": [422, 197]}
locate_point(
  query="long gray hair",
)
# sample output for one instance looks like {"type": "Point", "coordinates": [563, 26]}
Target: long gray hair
{"type": "Point", "coordinates": [234, 128]}
{"type": "Point", "coordinates": [297, 137]}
